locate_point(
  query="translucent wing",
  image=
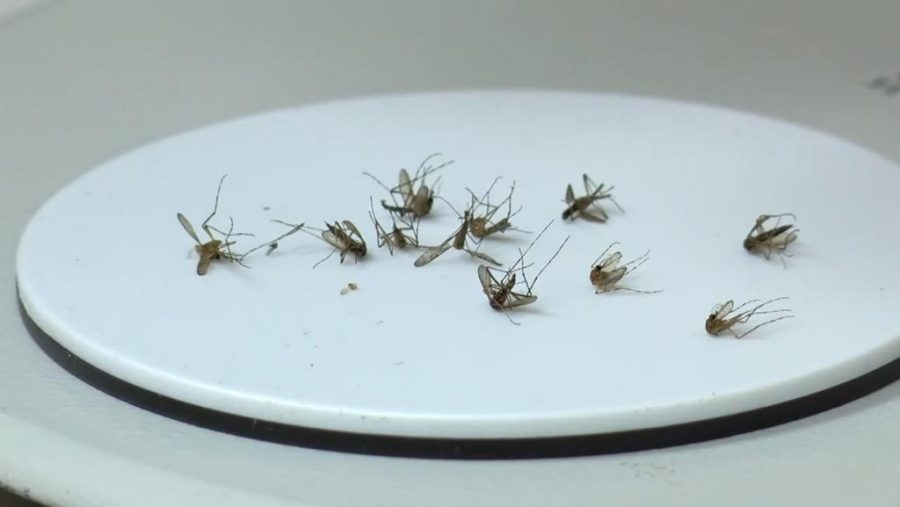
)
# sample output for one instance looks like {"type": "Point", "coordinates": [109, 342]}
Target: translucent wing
{"type": "Point", "coordinates": [570, 194]}
{"type": "Point", "coordinates": [354, 231]}
{"type": "Point", "coordinates": [598, 215]}
{"type": "Point", "coordinates": [616, 275]}
{"type": "Point", "coordinates": [610, 261]}
{"type": "Point", "coordinates": [333, 240]}
{"type": "Point", "coordinates": [515, 299]}
{"type": "Point", "coordinates": [725, 309]}
{"type": "Point", "coordinates": [431, 254]}
{"type": "Point", "coordinates": [483, 257]}
{"type": "Point", "coordinates": [487, 279]}
{"type": "Point", "coordinates": [189, 228]}
{"type": "Point", "coordinates": [405, 187]}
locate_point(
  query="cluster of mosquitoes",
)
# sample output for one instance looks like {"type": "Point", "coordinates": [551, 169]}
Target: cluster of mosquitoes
{"type": "Point", "coordinates": [412, 199]}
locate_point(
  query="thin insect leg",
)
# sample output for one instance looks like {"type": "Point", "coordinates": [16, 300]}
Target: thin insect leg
{"type": "Point", "coordinates": [215, 229]}
{"type": "Point", "coordinates": [378, 181]}
{"type": "Point", "coordinates": [743, 305]}
{"type": "Point", "coordinates": [333, 251]}
{"type": "Point", "coordinates": [505, 312]}
{"type": "Point", "coordinates": [535, 240]}
{"type": "Point", "coordinates": [755, 310]}
{"type": "Point", "coordinates": [639, 291]}
{"type": "Point", "coordinates": [644, 258]}
{"type": "Point", "coordinates": [549, 261]}
{"type": "Point", "coordinates": [754, 328]}
{"type": "Point", "coordinates": [215, 206]}
{"type": "Point", "coordinates": [611, 198]}
{"type": "Point", "coordinates": [448, 204]}
{"type": "Point", "coordinates": [276, 240]}
{"type": "Point", "coordinates": [302, 227]}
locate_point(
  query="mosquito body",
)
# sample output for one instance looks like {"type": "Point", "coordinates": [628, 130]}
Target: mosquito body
{"type": "Point", "coordinates": [343, 236]}
{"type": "Point", "coordinates": [457, 241]}
{"type": "Point", "coordinates": [725, 316]}
{"type": "Point", "coordinates": [482, 225]}
{"type": "Point", "coordinates": [587, 206]}
{"type": "Point", "coordinates": [777, 239]}
{"type": "Point", "coordinates": [606, 273]}
{"type": "Point", "coordinates": [215, 249]}
{"type": "Point", "coordinates": [400, 237]}
{"type": "Point", "coordinates": [500, 286]}
{"type": "Point", "coordinates": [406, 198]}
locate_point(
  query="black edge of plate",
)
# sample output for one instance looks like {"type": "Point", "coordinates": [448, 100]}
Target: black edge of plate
{"type": "Point", "coordinates": [471, 449]}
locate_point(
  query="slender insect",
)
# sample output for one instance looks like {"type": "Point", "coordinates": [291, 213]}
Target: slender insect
{"type": "Point", "coordinates": [456, 241]}
{"type": "Point", "coordinates": [501, 292]}
{"type": "Point", "coordinates": [405, 197]}
{"type": "Point", "coordinates": [220, 249]}
{"type": "Point", "coordinates": [776, 239]}
{"type": "Point", "coordinates": [484, 225]}
{"type": "Point", "coordinates": [343, 236]}
{"type": "Point", "coordinates": [400, 237]}
{"type": "Point", "coordinates": [606, 271]}
{"type": "Point", "coordinates": [214, 249]}
{"type": "Point", "coordinates": [588, 206]}
{"type": "Point", "coordinates": [723, 317]}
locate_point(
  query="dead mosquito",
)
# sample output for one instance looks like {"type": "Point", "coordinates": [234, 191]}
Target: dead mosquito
{"type": "Point", "coordinates": [343, 236]}
{"type": "Point", "coordinates": [456, 241]}
{"type": "Point", "coordinates": [484, 225]}
{"type": "Point", "coordinates": [220, 249]}
{"type": "Point", "coordinates": [587, 206]}
{"type": "Point", "coordinates": [400, 237]}
{"type": "Point", "coordinates": [723, 317]}
{"type": "Point", "coordinates": [776, 239]}
{"type": "Point", "coordinates": [405, 197]}
{"type": "Point", "coordinates": [214, 249]}
{"type": "Point", "coordinates": [606, 271]}
{"type": "Point", "coordinates": [501, 293]}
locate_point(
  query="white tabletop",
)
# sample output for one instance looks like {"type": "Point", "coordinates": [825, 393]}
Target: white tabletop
{"type": "Point", "coordinates": [84, 82]}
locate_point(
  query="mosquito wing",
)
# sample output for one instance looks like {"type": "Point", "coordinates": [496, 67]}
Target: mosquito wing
{"type": "Point", "coordinates": [515, 299]}
{"type": "Point", "coordinates": [598, 215]}
{"type": "Point", "coordinates": [405, 187]}
{"type": "Point", "coordinates": [189, 228]}
{"type": "Point", "coordinates": [570, 194]}
{"type": "Point", "coordinates": [610, 261]}
{"type": "Point", "coordinates": [484, 257]}
{"type": "Point", "coordinates": [431, 254]}
{"type": "Point", "coordinates": [333, 240]}
{"type": "Point", "coordinates": [616, 275]}
{"type": "Point", "coordinates": [724, 310]}
{"type": "Point", "coordinates": [354, 231]}
{"type": "Point", "coordinates": [487, 279]}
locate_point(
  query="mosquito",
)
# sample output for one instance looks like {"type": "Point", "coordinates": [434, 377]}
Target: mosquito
{"type": "Point", "coordinates": [482, 226]}
{"type": "Point", "coordinates": [456, 241]}
{"type": "Point", "coordinates": [343, 236]}
{"type": "Point", "coordinates": [400, 237]}
{"type": "Point", "coordinates": [414, 201]}
{"type": "Point", "coordinates": [776, 239]}
{"type": "Point", "coordinates": [220, 249]}
{"type": "Point", "coordinates": [214, 249]}
{"type": "Point", "coordinates": [606, 271]}
{"type": "Point", "coordinates": [501, 293]}
{"type": "Point", "coordinates": [587, 206]}
{"type": "Point", "coordinates": [723, 317]}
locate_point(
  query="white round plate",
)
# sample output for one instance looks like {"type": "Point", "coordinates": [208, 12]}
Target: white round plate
{"type": "Point", "coordinates": [105, 269]}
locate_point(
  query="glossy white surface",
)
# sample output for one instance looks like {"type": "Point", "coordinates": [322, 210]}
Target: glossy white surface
{"type": "Point", "coordinates": [417, 351]}
{"type": "Point", "coordinates": [84, 81]}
